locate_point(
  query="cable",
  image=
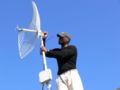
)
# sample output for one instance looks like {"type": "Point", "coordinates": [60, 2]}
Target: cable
{"type": "Point", "coordinates": [43, 87]}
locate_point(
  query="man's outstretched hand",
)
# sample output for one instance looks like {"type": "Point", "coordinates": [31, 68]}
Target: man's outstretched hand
{"type": "Point", "coordinates": [44, 35]}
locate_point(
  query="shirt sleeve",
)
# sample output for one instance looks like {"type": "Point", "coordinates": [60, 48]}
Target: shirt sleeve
{"type": "Point", "coordinates": [52, 53]}
{"type": "Point", "coordinates": [61, 53]}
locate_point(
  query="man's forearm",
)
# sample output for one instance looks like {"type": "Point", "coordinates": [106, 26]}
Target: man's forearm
{"type": "Point", "coordinates": [44, 41]}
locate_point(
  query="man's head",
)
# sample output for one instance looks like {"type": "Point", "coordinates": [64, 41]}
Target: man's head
{"type": "Point", "coordinates": [64, 38]}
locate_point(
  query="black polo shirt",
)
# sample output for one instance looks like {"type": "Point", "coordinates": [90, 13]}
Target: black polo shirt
{"type": "Point", "coordinates": [66, 58]}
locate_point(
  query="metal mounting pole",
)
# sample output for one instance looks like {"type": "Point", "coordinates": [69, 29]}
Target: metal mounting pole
{"type": "Point", "coordinates": [44, 57]}
{"type": "Point", "coordinates": [49, 85]}
{"type": "Point", "coordinates": [46, 80]}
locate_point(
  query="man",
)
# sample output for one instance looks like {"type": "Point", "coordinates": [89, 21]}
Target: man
{"type": "Point", "coordinates": [66, 56]}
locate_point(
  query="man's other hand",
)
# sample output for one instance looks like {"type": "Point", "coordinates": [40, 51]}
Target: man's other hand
{"type": "Point", "coordinates": [43, 48]}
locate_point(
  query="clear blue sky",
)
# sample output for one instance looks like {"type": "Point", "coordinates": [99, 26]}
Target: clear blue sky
{"type": "Point", "coordinates": [95, 29]}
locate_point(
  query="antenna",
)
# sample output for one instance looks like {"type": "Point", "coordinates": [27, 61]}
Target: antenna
{"type": "Point", "coordinates": [27, 38]}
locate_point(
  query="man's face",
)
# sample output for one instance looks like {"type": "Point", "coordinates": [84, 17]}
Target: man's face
{"type": "Point", "coordinates": [62, 40]}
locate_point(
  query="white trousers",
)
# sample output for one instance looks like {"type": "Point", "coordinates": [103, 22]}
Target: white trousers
{"type": "Point", "coordinates": [69, 80]}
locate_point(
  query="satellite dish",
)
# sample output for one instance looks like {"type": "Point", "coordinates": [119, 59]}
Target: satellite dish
{"type": "Point", "coordinates": [27, 37]}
